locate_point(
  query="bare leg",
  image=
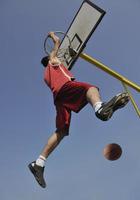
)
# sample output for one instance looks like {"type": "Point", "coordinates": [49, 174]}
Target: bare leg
{"type": "Point", "coordinates": [52, 143]}
{"type": "Point", "coordinates": [37, 167]}
{"type": "Point", "coordinates": [93, 96]}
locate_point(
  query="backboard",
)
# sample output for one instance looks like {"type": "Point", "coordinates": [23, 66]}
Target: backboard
{"type": "Point", "coordinates": [83, 25]}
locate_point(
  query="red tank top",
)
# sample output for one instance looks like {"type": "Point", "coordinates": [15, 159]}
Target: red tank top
{"type": "Point", "coordinates": [56, 76]}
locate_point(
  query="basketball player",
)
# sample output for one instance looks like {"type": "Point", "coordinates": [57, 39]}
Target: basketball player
{"type": "Point", "coordinates": [69, 95]}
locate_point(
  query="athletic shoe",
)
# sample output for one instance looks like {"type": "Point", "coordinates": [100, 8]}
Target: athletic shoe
{"type": "Point", "coordinates": [37, 171]}
{"type": "Point", "coordinates": [107, 109]}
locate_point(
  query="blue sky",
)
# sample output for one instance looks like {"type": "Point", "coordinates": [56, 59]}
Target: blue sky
{"type": "Point", "coordinates": [77, 169]}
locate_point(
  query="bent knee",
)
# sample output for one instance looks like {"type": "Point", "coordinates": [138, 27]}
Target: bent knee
{"type": "Point", "coordinates": [63, 133]}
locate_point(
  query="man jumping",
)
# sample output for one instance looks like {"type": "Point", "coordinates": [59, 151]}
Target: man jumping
{"type": "Point", "coordinates": [69, 95]}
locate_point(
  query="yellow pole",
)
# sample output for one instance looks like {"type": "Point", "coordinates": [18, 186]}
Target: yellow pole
{"type": "Point", "coordinates": [132, 100]}
{"type": "Point", "coordinates": [110, 71]}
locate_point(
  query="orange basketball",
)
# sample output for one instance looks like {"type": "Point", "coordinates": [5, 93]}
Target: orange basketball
{"type": "Point", "coordinates": [112, 151]}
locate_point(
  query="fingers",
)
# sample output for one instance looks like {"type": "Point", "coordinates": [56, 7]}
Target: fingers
{"type": "Point", "coordinates": [51, 34]}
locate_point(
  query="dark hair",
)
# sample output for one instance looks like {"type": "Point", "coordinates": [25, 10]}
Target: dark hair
{"type": "Point", "coordinates": [44, 61]}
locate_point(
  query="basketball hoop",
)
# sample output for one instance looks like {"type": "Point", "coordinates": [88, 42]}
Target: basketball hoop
{"type": "Point", "coordinates": [66, 51]}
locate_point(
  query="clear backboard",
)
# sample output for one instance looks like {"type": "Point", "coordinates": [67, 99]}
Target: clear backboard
{"type": "Point", "coordinates": [83, 25]}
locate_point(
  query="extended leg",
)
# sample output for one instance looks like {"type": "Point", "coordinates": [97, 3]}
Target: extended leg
{"type": "Point", "coordinates": [36, 167]}
{"type": "Point", "coordinates": [52, 143]}
{"type": "Point", "coordinates": [62, 123]}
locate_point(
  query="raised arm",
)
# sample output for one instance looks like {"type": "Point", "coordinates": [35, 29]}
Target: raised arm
{"type": "Point", "coordinates": [53, 54]}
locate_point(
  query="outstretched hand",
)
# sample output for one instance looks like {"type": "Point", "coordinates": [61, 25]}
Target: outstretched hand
{"type": "Point", "coordinates": [53, 36]}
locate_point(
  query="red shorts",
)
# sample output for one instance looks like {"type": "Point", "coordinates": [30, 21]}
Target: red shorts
{"type": "Point", "coordinates": [71, 97]}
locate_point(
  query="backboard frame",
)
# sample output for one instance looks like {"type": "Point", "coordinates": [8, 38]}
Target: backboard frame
{"type": "Point", "coordinates": [69, 63]}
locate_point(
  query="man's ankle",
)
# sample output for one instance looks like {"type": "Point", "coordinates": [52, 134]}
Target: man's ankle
{"type": "Point", "coordinates": [41, 161]}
